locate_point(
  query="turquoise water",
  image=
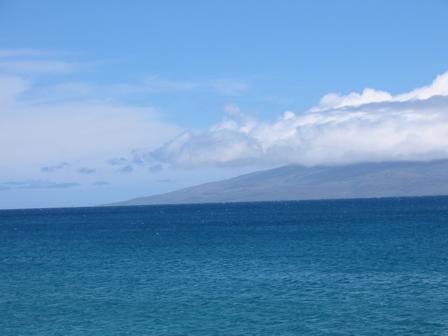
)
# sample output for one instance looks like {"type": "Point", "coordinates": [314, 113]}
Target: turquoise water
{"type": "Point", "coordinates": [358, 267]}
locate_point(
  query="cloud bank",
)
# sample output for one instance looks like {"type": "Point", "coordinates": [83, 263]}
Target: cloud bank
{"type": "Point", "coordinates": [369, 126]}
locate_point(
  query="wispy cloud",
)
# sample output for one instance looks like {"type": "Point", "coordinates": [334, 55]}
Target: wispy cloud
{"type": "Point", "coordinates": [118, 161]}
{"type": "Point", "coordinates": [153, 85]}
{"type": "Point", "coordinates": [55, 167]}
{"type": "Point", "coordinates": [87, 171]}
{"type": "Point", "coordinates": [155, 168]}
{"type": "Point", "coordinates": [10, 88]}
{"type": "Point", "coordinates": [71, 129]}
{"type": "Point", "coordinates": [21, 52]}
{"type": "Point", "coordinates": [36, 66]}
{"type": "Point", "coordinates": [135, 159]}
{"type": "Point", "coordinates": [36, 185]}
{"type": "Point", "coordinates": [223, 86]}
{"type": "Point", "coordinates": [100, 183]}
{"type": "Point", "coordinates": [31, 61]}
{"type": "Point", "coordinates": [126, 169]}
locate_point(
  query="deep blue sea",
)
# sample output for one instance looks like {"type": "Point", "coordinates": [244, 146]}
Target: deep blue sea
{"type": "Point", "coordinates": [349, 267]}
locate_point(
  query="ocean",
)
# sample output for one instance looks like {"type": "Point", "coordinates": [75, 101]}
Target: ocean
{"type": "Point", "coordinates": [346, 267]}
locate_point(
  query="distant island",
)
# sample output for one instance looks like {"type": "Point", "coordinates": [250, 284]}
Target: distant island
{"type": "Point", "coordinates": [295, 182]}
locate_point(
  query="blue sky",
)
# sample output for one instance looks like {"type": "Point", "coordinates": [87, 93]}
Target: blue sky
{"type": "Point", "coordinates": [105, 100]}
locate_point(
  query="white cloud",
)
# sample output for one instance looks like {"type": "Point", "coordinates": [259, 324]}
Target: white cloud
{"type": "Point", "coordinates": [439, 87]}
{"type": "Point", "coordinates": [371, 126]}
{"type": "Point", "coordinates": [334, 100]}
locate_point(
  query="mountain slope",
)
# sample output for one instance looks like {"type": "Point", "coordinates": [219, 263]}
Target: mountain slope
{"type": "Point", "coordinates": [296, 182]}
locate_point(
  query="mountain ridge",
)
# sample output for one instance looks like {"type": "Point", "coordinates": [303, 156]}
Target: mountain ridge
{"type": "Point", "coordinates": [296, 182]}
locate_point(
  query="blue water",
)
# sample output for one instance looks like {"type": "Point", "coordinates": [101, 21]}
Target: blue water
{"type": "Point", "coordinates": [358, 267]}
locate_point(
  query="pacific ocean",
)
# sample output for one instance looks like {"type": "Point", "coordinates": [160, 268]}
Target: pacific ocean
{"type": "Point", "coordinates": [345, 267]}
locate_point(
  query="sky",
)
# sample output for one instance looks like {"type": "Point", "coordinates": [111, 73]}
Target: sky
{"type": "Point", "coordinates": [101, 101]}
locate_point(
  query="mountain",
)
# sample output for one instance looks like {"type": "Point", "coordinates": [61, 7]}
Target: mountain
{"type": "Point", "coordinates": [294, 182]}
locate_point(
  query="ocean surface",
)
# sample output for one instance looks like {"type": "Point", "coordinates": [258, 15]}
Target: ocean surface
{"type": "Point", "coordinates": [349, 267]}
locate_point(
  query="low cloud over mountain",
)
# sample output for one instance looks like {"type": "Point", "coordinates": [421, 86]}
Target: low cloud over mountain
{"type": "Point", "coordinates": [369, 126]}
